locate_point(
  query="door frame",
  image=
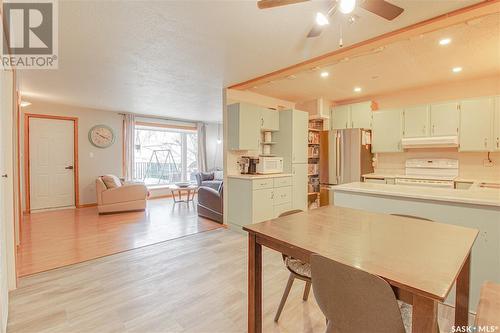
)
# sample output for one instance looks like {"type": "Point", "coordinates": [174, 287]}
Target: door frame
{"type": "Point", "coordinates": [27, 179]}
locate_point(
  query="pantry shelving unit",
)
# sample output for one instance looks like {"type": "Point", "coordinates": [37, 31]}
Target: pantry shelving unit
{"type": "Point", "coordinates": [313, 169]}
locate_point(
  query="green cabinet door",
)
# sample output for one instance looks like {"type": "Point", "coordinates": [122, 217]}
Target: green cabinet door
{"type": "Point", "coordinates": [476, 124]}
{"type": "Point", "coordinates": [387, 131]}
{"type": "Point", "coordinates": [270, 120]}
{"type": "Point", "coordinates": [444, 119]}
{"type": "Point", "coordinates": [361, 115]}
{"type": "Point", "coordinates": [263, 205]}
{"type": "Point", "coordinates": [243, 126]}
{"type": "Point", "coordinates": [416, 121]}
{"type": "Point", "coordinates": [341, 117]}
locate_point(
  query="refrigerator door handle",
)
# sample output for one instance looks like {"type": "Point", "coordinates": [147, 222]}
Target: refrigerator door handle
{"type": "Point", "coordinates": [337, 157]}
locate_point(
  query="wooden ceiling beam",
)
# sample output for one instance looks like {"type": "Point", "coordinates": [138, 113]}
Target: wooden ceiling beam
{"type": "Point", "coordinates": [483, 8]}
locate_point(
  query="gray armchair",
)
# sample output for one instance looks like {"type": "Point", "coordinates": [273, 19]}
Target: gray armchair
{"type": "Point", "coordinates": [210, 203]}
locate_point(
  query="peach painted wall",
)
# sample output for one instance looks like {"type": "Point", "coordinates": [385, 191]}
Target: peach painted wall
{"type": "Point", "coordinates": [471, 164]}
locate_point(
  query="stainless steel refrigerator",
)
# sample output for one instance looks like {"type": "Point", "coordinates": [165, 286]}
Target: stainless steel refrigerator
{"type": "Point", "coordinates": [349, 156]}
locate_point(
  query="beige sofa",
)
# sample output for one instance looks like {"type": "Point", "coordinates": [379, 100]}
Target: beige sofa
{"type": "Point", "coordinates": [115, 196]}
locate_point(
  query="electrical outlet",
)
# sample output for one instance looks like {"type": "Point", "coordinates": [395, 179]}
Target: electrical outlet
{"type": "Point", "coordinates": [487, 163]}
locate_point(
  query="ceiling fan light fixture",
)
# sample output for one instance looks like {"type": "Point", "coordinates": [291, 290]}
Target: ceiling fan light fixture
{"type": "Point", "coordinates": [456, 69]}
{"type": "Point", "coordinates": [324, 74]}
{"type": "Point", "coordinates": [321, 19]}
{"type": "Point", "coordinates": [347, 6]}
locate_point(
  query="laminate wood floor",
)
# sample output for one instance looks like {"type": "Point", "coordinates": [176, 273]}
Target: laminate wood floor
{"type": "Point", "coordinates": [59, 238]}
{"type": "Point", "coordinates": [192, 284]}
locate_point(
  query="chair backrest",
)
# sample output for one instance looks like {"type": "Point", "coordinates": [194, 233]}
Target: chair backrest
{"type": "Point", "coordinates": [413, 217]}
{"type": "Point", "coordinates": [290, 212]}
{"type": "Point", "coordinates": [352, 300]}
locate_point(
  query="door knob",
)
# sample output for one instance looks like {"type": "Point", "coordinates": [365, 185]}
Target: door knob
{"type": "Point", "coordinates": [69, 167]}
{"type": "Point", "coordinates": [4, 175]}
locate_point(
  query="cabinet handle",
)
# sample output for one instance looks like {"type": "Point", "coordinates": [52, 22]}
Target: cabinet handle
{"type": "Point", "coordinates": [261, 122]}
{"type": "Point", "coordinates": [423, 130]}
{"type": "Point", "coordinates": [346, 124]}
{"type": "Point", "coordinates": [498, 142]}
{"type": "Point", "coordinates": [272, 195]}
{"type": "Point", "coordinates": [485, 142]}
{"type": "Point", "coordinates": [433, 127]}
{"type": "Point", "coordinates": [352, 124]}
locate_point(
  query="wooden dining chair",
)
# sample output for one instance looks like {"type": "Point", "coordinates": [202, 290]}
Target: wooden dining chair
{"type": "Point", "coordinates": [298, 270]}
{"type": "Point", "coordinates": [355, 301]}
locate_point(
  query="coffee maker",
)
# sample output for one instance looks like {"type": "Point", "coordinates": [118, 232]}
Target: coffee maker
{"type": "Point", "coordinates": [248, 164]}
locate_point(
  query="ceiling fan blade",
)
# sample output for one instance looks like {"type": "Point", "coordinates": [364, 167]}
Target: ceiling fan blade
{"type": "Point", "coordinates": [264, 4]}
{"type": "Point", "coordinates": [315, 31]}
{"type": "Point", "coordinates": [382, 8]}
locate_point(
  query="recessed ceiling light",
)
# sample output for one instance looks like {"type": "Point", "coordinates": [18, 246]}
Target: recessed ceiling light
{"type": "Point", "coordinates": [456, 69]}
{"type": "Point", "coordinates": [445, 41]}
{"type": "Point", "coordinates": [24, 104]}
{"type": "Point", "coordinates": [321, 19]}
{"type": "Point", "coordinates": [357, 89]}
{"type": "Point", "coordinates": [324, 74]}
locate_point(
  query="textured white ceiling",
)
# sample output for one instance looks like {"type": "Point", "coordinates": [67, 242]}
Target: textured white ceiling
{"type": "Point", "coordinates": [173, 58]}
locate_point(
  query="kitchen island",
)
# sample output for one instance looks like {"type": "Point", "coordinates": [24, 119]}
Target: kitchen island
{"type": "Point", "coordinates": [476, 207]}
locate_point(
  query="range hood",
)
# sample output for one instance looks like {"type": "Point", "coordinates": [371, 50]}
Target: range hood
{"type": "Point", "coordinates": [430, 142]}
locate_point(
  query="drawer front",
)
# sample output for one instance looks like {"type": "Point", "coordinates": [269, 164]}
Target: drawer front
{"type": "Point", "coordinates": [282, 195]}
{"type": "Point", "coordinates": [282, 181]}
{"type": "Point", "coordinates": [279, 209]}
{"type": "Point", "coordinates": [259, 184]}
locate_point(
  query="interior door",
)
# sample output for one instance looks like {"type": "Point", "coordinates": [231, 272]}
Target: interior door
{"type": "Point", "coordinates": [7, 240]}
{"type": "Point", "coordinates": [51, 151]}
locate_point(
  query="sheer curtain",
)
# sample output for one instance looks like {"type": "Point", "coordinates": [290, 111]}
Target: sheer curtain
{"type": "Point", "coordinates": [129, 145]}
{"type": "Point", "coordinates": [202, 147]}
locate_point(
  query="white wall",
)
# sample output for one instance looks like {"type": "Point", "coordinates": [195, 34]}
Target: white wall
{"type": "Point", "coordinates": [214, 131]}
{"type": "Point", "coordinates": [93, 161]}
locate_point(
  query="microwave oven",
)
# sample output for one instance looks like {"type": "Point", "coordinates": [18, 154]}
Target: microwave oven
{"type": "Point", "coordinates": [270, 165]}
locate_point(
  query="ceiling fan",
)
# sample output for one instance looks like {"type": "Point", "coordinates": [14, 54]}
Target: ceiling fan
{"type": "Point", "coordinates": [381, 8]}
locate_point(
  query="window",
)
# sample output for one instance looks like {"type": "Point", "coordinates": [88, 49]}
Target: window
{"type": "Point", "coordinates": [165, 154]}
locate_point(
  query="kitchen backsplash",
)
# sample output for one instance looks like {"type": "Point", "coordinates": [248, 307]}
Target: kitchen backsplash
{"type": "Point", "coordinates": [471, 165]}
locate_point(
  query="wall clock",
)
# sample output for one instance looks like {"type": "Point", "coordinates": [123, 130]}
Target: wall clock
{"type": "Point", "coordinates": [101, 136]}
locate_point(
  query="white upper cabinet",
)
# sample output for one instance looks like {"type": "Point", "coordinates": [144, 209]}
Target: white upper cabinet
{"type": "Point", "coordinates": [361, 115]}
{"type": "Point", "coordinates": [244, 123]}
{"type": "Point", "coordinates": [496, 124]}
{"type": "Point", "coordinates": [416, 121]}
{"type": "Point", "coordinates": [341, 116]}
{"type": "Point", "coordinates": [387, 131]}
{"type": "Point", "coordinates": [476, 124]}
{"type": "Point", "coordinates": [269, 120]}
{"type": "Point", "coordinates": [357, 115]}
{"type": "Point", "coordinates": [444, 119]}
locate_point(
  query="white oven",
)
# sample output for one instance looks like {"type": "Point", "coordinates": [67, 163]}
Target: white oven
{"type": "Point", "coordinates": [270, 165]}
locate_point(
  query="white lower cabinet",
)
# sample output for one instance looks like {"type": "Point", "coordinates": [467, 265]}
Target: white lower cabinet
{"type": "Point", "coordinates": [258, 200]}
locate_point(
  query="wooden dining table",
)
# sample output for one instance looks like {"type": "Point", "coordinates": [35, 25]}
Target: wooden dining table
{"type": "Point", "coordinates": [421, 260]}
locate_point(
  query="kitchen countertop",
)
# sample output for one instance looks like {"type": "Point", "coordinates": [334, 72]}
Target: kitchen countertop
{"type": "Point", "coordinates": [474, 195]}
{"type": "Point", "coordinates": [457, 179]}
{"type": "Point", "coordinates": [272, 175]}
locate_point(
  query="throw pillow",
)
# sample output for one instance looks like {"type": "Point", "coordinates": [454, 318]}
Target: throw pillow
{"type": "Point", "coordinates": [206, 176]}
{"type": "Point", "coordinates": [111, 181]}
{"type": "Point", "coordinates": [219, 175]}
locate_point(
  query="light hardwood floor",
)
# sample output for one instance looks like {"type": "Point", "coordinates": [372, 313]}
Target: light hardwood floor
{"type": "Point", "coordinates": [192, 284]}
{"type": "Point", "coordinates": [58, 238]}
